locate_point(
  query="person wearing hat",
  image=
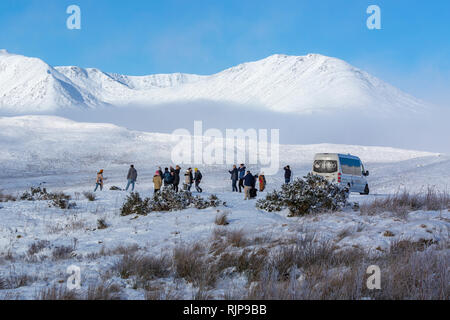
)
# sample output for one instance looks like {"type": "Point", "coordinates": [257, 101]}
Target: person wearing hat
{"type": "Point", "coordinates": [197, 179]}
{"type": "Point", "coordinates": [157, 181]}
{"type": "Point", "coordinates": [99, 181]}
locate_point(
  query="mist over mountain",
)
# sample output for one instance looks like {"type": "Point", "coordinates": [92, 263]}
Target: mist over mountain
{"type": "Point", "coordinates": [311, 99]}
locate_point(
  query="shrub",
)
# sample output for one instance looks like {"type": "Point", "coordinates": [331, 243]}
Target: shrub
{"type": "Point", "coordinates": [312, 194]}
{"type": "Point", "coordinates": [144, 268]}
{"type": "Point", "coordinates": [89, 195]}
{"type": "Point", "coordinates": [167, 200]}
{"type": "Point", "coordinates": [56, 199]}
{"type": "Point", "coordinates": [101, 224]}
{"type": "Point", "coordinates": [64, 252]}
{"type": "Point", "coordinates": [37, 247]}
{"type": "Point", "coordinates": [36, 193]}
{"type": "Point", "coordinates": [135, 205]}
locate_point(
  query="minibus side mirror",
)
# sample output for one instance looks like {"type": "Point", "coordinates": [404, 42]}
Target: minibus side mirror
{"type": "Point", "coordinates": [366, 173]}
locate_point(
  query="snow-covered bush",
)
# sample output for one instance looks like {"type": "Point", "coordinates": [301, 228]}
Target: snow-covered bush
{"type": "Point", "coordinates": [135, 205]}
{"type": "Point", "coordinates": [56, 199]}
{"type": "Point", "coordinates": [167, 200]}
{"type": "Point", "coordinates": [312, 194]}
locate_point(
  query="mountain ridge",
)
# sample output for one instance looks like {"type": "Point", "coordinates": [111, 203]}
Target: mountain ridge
{"type": "Point", "coordinates": [282, 83]}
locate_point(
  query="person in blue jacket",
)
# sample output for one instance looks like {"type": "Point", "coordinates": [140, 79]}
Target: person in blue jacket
{"type": "Point", "coordinates": [241, 171]}
{"type": "Point", "coordinates": [167, 178]}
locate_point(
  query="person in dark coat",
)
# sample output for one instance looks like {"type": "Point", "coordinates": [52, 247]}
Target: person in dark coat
{"type": "Point", "coordinates": [253, 190]}
{"type": "Point", "coordinates": [160, 172]}
{"type": "Point", "coordinates": [176, 178]}
{"type": "Point", "coordinates": [287, 174]}
{"type": "Point", "coordinates": [249, 183]}
{"type": "Point", "coordinates": [131, 177]}
{"type": "Point", "coordinates": [241, 171]}
{"type": "Point", "coordinates": [234, 178]}
{"type": "Point", "coordinates": [197, 179]}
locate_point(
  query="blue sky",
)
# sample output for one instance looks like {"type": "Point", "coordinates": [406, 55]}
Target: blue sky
{"type": "Point", "coordinates": [137, 37]}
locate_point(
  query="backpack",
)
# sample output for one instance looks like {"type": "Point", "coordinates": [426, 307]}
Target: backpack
{"type": "Point", "coordinates": [167, 177]}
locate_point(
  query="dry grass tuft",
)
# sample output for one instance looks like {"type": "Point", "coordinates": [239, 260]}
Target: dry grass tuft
{"type": "Point", "coordinates": [56, 293]}
{"type": "Point", "coordinates": [404, 202]}
{"type": "Point", "coordinates": [222, 219]}
{"type": "Point", "coordinates": [89, 195]}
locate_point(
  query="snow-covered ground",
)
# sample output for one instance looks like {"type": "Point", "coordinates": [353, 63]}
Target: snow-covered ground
{"type": "Point", "coordinates": [63, 155]}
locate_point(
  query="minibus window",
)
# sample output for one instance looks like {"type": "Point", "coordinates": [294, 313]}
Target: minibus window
{"type": "Point", "coordinates": [350, 166]}
{"type": "Point", "coordinates": [325, 166]}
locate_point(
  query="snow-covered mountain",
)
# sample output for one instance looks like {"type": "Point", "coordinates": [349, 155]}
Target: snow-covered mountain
{"type": "Point", "coordinates": [297, 84]}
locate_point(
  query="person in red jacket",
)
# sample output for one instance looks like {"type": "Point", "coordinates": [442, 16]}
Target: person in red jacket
{"type": "Point", "coordinates": [262, 182]}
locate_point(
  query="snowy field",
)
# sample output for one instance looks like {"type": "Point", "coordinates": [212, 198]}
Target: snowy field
{"type": "Point", "coordinates": [64, 156]}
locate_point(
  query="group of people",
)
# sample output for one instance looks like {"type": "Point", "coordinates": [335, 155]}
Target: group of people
{"type": "Point", "coordinates": [170, 178]}
{"type": "Point", "coordinates": [247, 181]}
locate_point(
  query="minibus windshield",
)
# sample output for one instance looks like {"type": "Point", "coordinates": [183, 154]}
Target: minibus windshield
{"type": "Point", "coordinates": [325, 166]}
